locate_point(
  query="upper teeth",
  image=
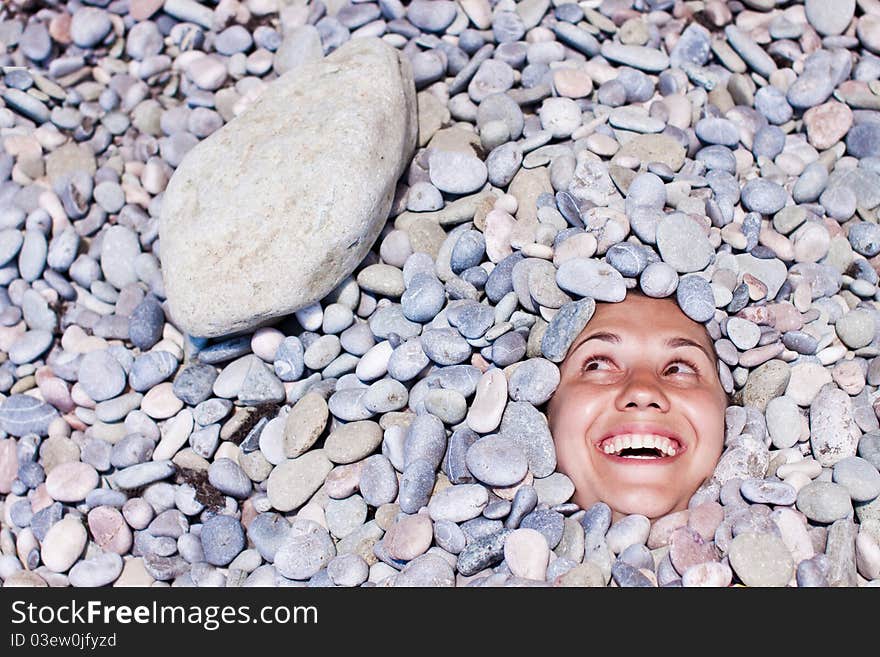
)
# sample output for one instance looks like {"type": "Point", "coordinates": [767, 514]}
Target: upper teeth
{"type": "Point", "coordinates": [617, 444]}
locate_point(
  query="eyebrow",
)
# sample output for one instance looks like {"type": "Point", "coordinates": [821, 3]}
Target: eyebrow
{"type": "Point", "coordinates": [672, 343]}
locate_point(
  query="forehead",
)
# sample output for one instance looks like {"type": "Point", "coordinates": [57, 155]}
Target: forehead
{"type": "Point", "coordinates": [646, 319]}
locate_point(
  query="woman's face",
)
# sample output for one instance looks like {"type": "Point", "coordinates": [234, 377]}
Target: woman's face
{"type": "Point", "coordinates": [641, 373]}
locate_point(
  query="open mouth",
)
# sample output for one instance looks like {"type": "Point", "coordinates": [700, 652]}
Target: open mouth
{"type": "Point", "coordinates": [641, 447]}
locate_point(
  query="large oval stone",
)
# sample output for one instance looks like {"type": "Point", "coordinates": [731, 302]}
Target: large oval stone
{"type": "Point", "coordinates": [320, 150]}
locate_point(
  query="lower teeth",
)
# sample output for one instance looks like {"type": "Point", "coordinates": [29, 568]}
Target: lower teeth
{"type": "Point", "coordinates": [641, 457]}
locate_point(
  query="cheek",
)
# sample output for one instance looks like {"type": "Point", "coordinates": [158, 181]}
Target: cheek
{"type": "Point", "coordinates": [705, 412]}
{"type": "Point", "coordinates": [571, 410]}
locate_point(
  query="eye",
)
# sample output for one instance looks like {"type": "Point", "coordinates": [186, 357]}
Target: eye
{"type": "Point", "coordinates": [676, 363]}
{"type": "Point", "coordinates": [597, 364]}
{"type": "Point", "coordinates": [681, 367]}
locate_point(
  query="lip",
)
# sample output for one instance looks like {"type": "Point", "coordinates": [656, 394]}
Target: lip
{"type": "Point", "coordinates": [642, 427]}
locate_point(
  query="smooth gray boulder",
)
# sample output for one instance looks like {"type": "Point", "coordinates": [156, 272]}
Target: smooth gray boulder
{"type": "Point", "coordinates": [273, 210]}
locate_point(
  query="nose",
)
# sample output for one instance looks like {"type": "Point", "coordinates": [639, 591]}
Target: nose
{"type": "Point", "coordinates": [642, 391]}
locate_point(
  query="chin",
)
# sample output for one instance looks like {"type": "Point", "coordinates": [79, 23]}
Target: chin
{"type": "Point", "coordinates": [645, 503]}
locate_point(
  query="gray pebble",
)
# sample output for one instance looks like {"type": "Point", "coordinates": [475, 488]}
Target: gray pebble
{"type": "Point", "coordinates": [824, 502]}
{"type": "Point", "coordinates": [717, 131]}
{"type": "Point", "coordinates": [89, 26]}
{"type": "Point", "coordinates": [151, 368]}
{"type": "Point", "coordinates": [100, 570]}
{"type": "Point", "coordinates": [268, 532]}
{"type": "Point", "coordinates": [424, 297]}
{"type": "Point", "coordinates": [30, 346]}
{"type": "Point", "coordinates": [683, 244]}
{"type": "Point", "coordinates": [497, 461]}
{"type": "Point", "coordinates": [32, 257]}
{"type": "Point", "coordinates": [859, 476]}
{"type": "Point", "coordinates": [772, 104]}
{"type": "Point", "coordinates": [456, 173]}
{"type": "Point", "coordinates": [228, 477]}
{"type": "Point", "coordinates": [195, 383]}
{"type": "Point", "coordinates": [390, 319]}
{"type": "Point", "coordinates": [763, 196]}
{"type": "Point", "coordinates": [416, 485]}
{"type": "Point", "coordinates": [233, 39]}
{"type": "Point", "coordinates": [591, 278]}
{"type": "Point", "coordinates": [431, 16]}
{"type": "Point", "coordinates": [10, 244]}
{"type": "Point", "coordinates": [143, 474]}
{"type": "Point", "coordinates": [222, 539]}
{"type": "Point", "coordinates": [378, 481]}
{"type": "Point", "coordinates": [550, 523]}
{"type": "Point", "coordinates": [695, 297]}
{"type": "Point", "coordinates": [445, 346]}
{"type": "Point", "coordinates": [760, 491]}
{"type": "Point", "coordinates": [35, 42]}
{"type": "Point", "coordinates": [132, 449]}
{"type": "Point", "coordinates": [565, 326]}
{"type": "Point", "coordinates": [23, 414]}
{"type": "Point", "coordinates": [26, 105]}
{"type": "Point", "coordinates": [527, 427]}
{"type": "Point", "coordinates": [810, 183]}
{"type": "Point", "coordinates": [143, 40]}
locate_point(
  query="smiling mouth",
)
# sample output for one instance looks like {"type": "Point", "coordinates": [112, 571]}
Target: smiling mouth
{"type": "Point", "coordinates": [641, 447]}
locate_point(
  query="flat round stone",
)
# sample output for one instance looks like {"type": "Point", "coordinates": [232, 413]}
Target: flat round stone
{"type": "Point", "coordinates": [456, 173]}
{"type": "Point", "coordinates": [222, 539]}
{"type": "Point", "coordinates": [71, 482]}
{"type": "Point", "coordinates": [101, 375]}
{"type": "Point", "coordinates": [760, 491]}
{"type": "Point", "coordinates": [695, 297]}
{"type": "Point", "coordinates": [683, 244]}
{"type": "Point", "coordinates": [859, 476]}
{"type": "Point", "coordinates": [497, 461]}
{"type": "Point", "coordinates": [761, 560]}
{"type": "Point", "coordinates": [764, 196]}
{"type": "Point", "coordinates": [824, 501]}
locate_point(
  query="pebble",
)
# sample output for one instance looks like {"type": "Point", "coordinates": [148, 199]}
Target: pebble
{"type": "Point", "coordinates": [304, 554]}
{"type": "Point", "coordinates": [458, 503]}
{"type": "Point", "coordinates": [101, 375]}
{"type": "Point", "coordinates": [23, 414]}
{"type": "Point", "coordinates": [71, 482]}
{"type": "Point", "coordinates": [527, 554]}
{"type": "Point", "coordinates": [194, 384]}
{"type": "Point", "coordinates": [119, 251]}
{"type": "Point", "coordinates": [101, 570]}
{"type": "Point", "coordinates": [353, 441]}
{"type": "Point", "coordinates": [89, 26]}
{"type": "Point", "coordinates": [455, 172]}
{"type": "Point", "coordinates": [143, 474]}
{"type": "Point", "coordinates": [763, 196]}
{"type": "Point", "coordinates": [30, 346]}
{"type": "Point", "coordinates": [695, 297]}
{"type": "Point", "coordinates": [682, 244]}
{"type": "Point", "coordinates": [146, 323]}
{"type": "Point", "coordinates": [154, 367]}
{"type": "Point", "coordinates": [859, 477]}
{"type": "Point", "coordinates": [222, 538]}
{"type": "Point", "coordinates": [768, 492]}
{"type": "Point", "coordinates": [628, 531]}
{"type": "Point", "coordinates": [829, 20]}
{"type": "Point", "coordinates": [760, 560]}
{"type": "Point", "coordinates": [293, 482]}
{"type": "Point", "coordinates": [497, 461]}
{"type": "Point", "coordinates": [228, 477]}
{"type": "Point", "coordinates": [63, 544]}
{"type": "Point", "coordinates": [824, 501]}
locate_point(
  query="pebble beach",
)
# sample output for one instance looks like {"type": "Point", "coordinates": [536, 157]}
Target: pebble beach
{"type": "Point", "coordinates": [285, 285]}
